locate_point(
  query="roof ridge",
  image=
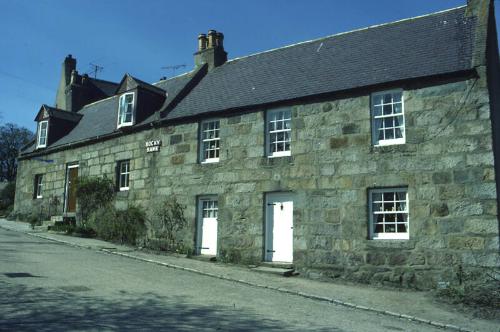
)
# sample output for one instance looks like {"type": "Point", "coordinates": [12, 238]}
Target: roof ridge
{"type": "Point", "coordinates": [346, 32]}
{"type": "Point", "coordinates": [101, 80]}
{"type": "Point", "coordinates": [171, 78]}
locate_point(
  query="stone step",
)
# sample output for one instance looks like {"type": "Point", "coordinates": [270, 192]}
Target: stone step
{"type": "Point", "coordinates": [282, 265]}
{"type": "Point", "coordinates": [275, 270]}
{"type": "Point", "coordinates": [55, 219]}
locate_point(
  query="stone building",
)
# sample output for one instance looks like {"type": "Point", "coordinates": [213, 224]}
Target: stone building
{"type": "Point", "coordinates": [369, 155]}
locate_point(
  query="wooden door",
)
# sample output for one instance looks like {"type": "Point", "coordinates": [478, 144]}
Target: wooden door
{"type": "Point", "coordinates": [279, 227]}
{"type": "Point", "coordinates": [71, 178]}
{"type": "Point", "coordinates": [207, 226]}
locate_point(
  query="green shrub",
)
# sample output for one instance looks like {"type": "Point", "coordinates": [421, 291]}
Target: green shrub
{"type": "Point", "coordinates": [93, 193]}
{"type": "Point", "coordinates": [167, 222]}
{"type": "Point", "coordinates": [34, 220]}
{"type": "Point", "coordinates": [124, 226]}
{"type": "Point", "coordinates": [7, 196]}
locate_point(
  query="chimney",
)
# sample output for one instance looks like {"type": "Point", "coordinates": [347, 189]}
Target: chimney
{"type": "Point", "coordinates": [68, 65]}
{"type": "Point", "coordinates": [483, 11]}
{"type": "Point", "coordinates": [210, 50]}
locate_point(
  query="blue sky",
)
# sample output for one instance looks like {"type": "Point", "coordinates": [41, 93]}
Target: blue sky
{"type": "Point", "coordinates": [141, 37]}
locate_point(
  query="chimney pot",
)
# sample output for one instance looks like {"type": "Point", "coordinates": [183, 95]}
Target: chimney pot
{"type": "Point", "coordinates": [202, 42]}
{"type": "Point", "coordinates": [212, 38]}
{"type": "Point", "coordinates": [220, 39]}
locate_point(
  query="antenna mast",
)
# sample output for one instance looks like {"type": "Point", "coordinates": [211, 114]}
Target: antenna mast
{"type": "Point", "coordinates": [95, 69]}
{"type": "Point", "coordinates": [173, 68]}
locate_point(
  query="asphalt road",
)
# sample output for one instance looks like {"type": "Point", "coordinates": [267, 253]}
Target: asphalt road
{"type": "Point", "coordinates": [46, 286]}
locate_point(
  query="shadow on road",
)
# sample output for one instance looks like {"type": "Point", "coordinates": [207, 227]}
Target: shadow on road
{"type": "Point", "coordinates": [43, 309]}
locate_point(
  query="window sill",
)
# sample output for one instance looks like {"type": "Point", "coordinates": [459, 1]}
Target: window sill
{"type": "Point", "coordinates": [275, 161]}
{"type": "Point", "coordinates": [280, 154]}
{"type": "Point", "coordinates": [401, 148]}
{"type": "Point", "coordinates": [124, 125]}
{"type": "Point", "coordinates": [210, 161]}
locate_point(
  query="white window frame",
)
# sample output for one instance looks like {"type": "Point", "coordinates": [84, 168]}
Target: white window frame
{"type": "Point", "coordinates": [381, 118]}
{"type": "Point", "coordinates": [272, 131]}
{"type": "Point", "coordinates": [125, 184]}
{"type": "Point", "coordinates": [39, 132]}
{"type": "Point", "coordinates": [210, 140]}
{"type": "Point", "coordinates": [121, 115]}
{"type": "Point", "coordinates": [38, 185]}
{"type": "Point", "coordinates": [374, 213]}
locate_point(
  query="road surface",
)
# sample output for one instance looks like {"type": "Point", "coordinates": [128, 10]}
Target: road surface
{"type": "Point", "coordinates": [47, 286]}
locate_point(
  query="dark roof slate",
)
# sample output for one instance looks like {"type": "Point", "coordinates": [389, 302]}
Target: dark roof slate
{"type": "Point", "coordinates": [106, 87]}
{"type": "Point", "coordinates": [429, 45]}
{"type": "Point", "coordinates": [129, 82]}
{"type": "Point", "coordinates": [435, 44]}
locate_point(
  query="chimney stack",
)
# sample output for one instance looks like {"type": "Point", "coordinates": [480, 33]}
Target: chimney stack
{"type": "Point", "coordinates": [68, 65]}
{"type": "Point", "coordinates": [210, 50]}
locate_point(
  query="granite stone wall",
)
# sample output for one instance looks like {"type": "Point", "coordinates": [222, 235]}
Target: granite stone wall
{"type": "Point", "coordinates": [447, 165]}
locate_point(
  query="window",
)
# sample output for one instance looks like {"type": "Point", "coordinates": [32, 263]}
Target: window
{"type": "Point", "coordinates": [389, 213]}
{"type": "Point", "coordinates": [126, 110]}
{"type": "Point", "coordinates": [37, 192]}
{"type": "Point", "coordinates": [210, 141]}
{"type": "Point", "coordinates": [123, 175]}
{"type": "Point", "coordinates": [43, 127]}
{"type": "Point", "coordinates": [210, 208]}
{"type": "Point", "coordinates": [278, 132]}
{"type": "Point", "coordinates": [388, 120]}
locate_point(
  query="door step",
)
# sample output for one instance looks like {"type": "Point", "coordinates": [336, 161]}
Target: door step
{"type": "Point", "coordinates": [276, 270]}
{"type": "Point", "coordinates": [281, 265]}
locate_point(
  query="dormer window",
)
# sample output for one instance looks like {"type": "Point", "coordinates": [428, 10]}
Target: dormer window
{"type": "Point", "coordinates": [126, 110]}
{"type": "Point", "coordinates": [43, 128]}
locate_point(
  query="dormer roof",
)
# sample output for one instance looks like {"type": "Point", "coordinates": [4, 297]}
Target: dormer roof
{"type": "Point", "coordinates": [52, 112]}
{"type": "Point", "coordinates": [129, 82]}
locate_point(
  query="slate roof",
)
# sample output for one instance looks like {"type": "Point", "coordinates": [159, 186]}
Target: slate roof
{"type": "Point", "coordinates": [62, 114]}
{"type": "Point", "coordinates": [429, 45]}
{"type": "Point", "coordinates": [107, 87]}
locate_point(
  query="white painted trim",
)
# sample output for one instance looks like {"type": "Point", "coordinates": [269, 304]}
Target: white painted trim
{"type": "Point", "coordinates": [201, 141]}
{"type": "Point", "coordinates": [38, 194]}
{"type": "Point", "coordinates": [387, 236]}
{"type": "Point", "coordinates": [267, 115]}
{"type": "Point", "coordinates": [134, 103]}
{"type": "Point", "coordinates": [394, 141]}
{"type": "Point", "coordinates": [39, 130]}
{"type": "Point", "coordinates": [120, 173]}
{"type": "Point", "coordinates": [210, 161]}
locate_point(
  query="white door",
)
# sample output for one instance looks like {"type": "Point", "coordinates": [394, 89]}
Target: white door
{"type": "Point", "coordinates": [279, 227]}
{"type": "Point", "coordinates": [207, 226]}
